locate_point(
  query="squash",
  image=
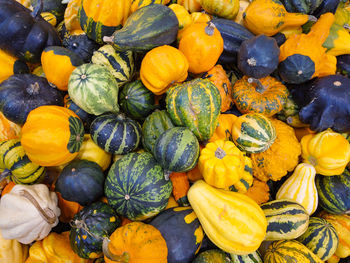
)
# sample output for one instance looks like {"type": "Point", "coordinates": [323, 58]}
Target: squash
{"type": "Point", "coordinates": [224, 129]}
{"type": "Point", "coordinates": [290, 113]}
{"type": "Point", "coordinates": [243, 4]}
{"type": "Point", "coordinates": [336, 42]}
{"type": "Point", "coordinates": [266, 95]}
{"type": "Point", "coordinates": [11, 65]}
{"type": "Point", "coordinates": [85, 117]}
{"type": "Point", "coordinates": [55, 7]}
{"type": "Point", "coordinates": [327, 151]}
{"type": "Point", "coordinates": [68, 209]}
{"type": "Point", "coordinates": [183, 16]}
{"type": "Point", "coordinates": [49, 17]}
{"type": "Point", "coordinates": [48, 128]}
{"type": "Point", "coordinates": [180, 188]}
{"type": "Point", "coordinates": [58, 64]}
{"type": "Point", "coordinates": [161, 67]}
{"type": "Point", "coordinates": [190, 5]}
{"type": "Point", "coordinates": [137, 4]}
{"type": "Point", "coordinates": [99, 19]}
{"type": "Point", "coordinates": [161, 29]}
{"type": "Point", "coordinates": [71, 20]}
{"type": "Point", "coordinates": [301, 6]}
{"type": "Point", "coordinates": [11, 251]}
{"type": "Point", "coordinates": [54, 248]}
{"type": "Point", "coordinates": [301, 187]}
{"type": "Point", "coordinates": [232, 221]}
{"type": "Point", "coordinates": [28, 213]}
{"type": "Point", "coordinates": [280, 158]}
{"type": "Point", "coordinates": [199, 17]}
{"type": "Point", "coordinates": [136, 242]}
{"type": "Point", "coordinates": [22, 93]}
{"type": "Point", "coordinates": [270, 17]}
{"type": "Point", "coordinates": [222, 8]}
{"type": "Point", "coordinates": [259, 191]}
{"type": "Point", "coordinates": [212, 255]}
{"type": "Point", "coordinates": [202, 45]}
{"type": "Point", "coordinates": [222, 165]}
{"type": "Point", "coordinates": [8, 129]}
{"type": "Point", "coordinates": [299, 63]}
{"type": "Point", "coordinates": [29, 34]}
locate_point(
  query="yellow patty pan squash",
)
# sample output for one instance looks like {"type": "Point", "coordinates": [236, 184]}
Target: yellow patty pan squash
{"type": "Point", "coordinates": [232, 221]}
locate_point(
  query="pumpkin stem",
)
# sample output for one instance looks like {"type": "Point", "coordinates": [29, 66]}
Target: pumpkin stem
{"type": "Point", "coordinates": [121, 116]}
{"type": "Point", "coordinates": [108, 39]}
{"type": "Point", "coordinates": [124, 258]}
{"type": "Point", "coordinates": [346, 26]}
{"type": "Point", "coordinates": [220, 153]}
{"type": "Point", "coordinates": [38, 9]}
{"type": "Point", "coordinates": [209, 29]}
{"type": "Point", "coordinates": [47, 214]}
{"type": "Point", "coordinates": [33, 89]}
{"type": "Point", "coordinates": [312, 18]}
{"type": "Point", "coordinates": [259, 86]}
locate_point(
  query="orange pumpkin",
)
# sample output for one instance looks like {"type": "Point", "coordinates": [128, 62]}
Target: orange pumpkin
{"type": "Point", "coordinates": [8, 129]}
{"type": "Point", "coordinates": [161, 67]}
{"type": "Point", "coordinates": [202, 45]}
{"type": "Point", "coordinates": [52, 135]}
{"type": "Point", "coordinates": [224, 129]}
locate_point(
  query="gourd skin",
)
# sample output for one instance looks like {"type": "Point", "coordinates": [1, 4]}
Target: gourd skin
{"type": "Point", "coordinates": [11, 251]}
{"type": "Point", "coordinates": [11, 65]}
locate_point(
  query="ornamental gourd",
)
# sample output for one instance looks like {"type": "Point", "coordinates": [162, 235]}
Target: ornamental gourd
{"type": "Point", "coordinates": [259, 191]}
{"type": "Point", "coordinates": [11, 65]}
{"type": "Point", "coordinates": [28, 213]}
{"type": "Point", "coordinates": [190, 5]}
{"type": "Point", "coordinates": [8, 129]}
{"type": "Point", "coordinates": [11, 251]}
{"type": "Point", "coordinates": [71, 20]}
{"type": "Point", "coordinates": [224, 129]}
{"type": "Point", "coordinates": [48, 128]}
{"type": "Point", "coordinates": [232, 221]}
{"type": "Point", "coordinates": [327, 151]}
{"type": "Point", "coordinates": [221, 8]}
{"type": "Point", "coordinates": [137, 4]}
{"type": "Point", "coordinates": [161, 67]}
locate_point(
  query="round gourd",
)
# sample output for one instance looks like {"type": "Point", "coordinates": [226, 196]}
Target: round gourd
{"type": "Point", "coordinates": [136, 100]}
{"type": "Point", "coordinates": [136, 187]}
{"type": "Point", "coordinates": [116, 134]}
{"type": "Point", "coordinates": [120, 64]}
{"type": "Point", "coordinates": [182, 15]}
{"type": "Point", "coordinates": [85, 117]}
{"type": "Point", "coordinates": [258, 56]}
{"type": "Point", "coordinates": [22, 93]}
{"type": "Point", "coordinates": [8, 129]}
{"type": "Point", "coordinates": [320, 237]}
{"type": "Point", "coordinates": [221, 8]}
{"type": "Point", "coordinates": [253, 133]}
{"type": "Point", "coordinates": [177, 150]}
{"type": "Point", "coordinates": [81, 181]}
{"type": "Point", "coordinates": [94, 89]}
{"type": "Point", "coordinates": [52, 135]}
{"type": "Point", "coordinates": [154, 125]}
{"type": "Point", "coordinates": [11, 65]}
{"type": "Point", "coordinates": [58, 64]}
{"type": "Point", "coordinates": [90, 226]}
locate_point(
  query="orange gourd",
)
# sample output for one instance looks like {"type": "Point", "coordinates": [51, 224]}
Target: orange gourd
{"type": "Point", "coordinates": [190, 5]}
{"type": "Point", "coordinates": [8, 129]}
{"type": "Point", "coordinates": [224, 129]}
{"type": "Point", "coordinates": [259, 192]}
{"type": "Point", "coordinates": [181, 186]}
{"type": "Point", "coordinates": [71, 20]}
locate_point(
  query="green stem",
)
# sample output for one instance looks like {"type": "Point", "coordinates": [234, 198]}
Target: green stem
{"type": "Point", "coordinates": [124, 258]}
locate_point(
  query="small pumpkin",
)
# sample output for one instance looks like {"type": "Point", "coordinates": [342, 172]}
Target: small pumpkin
{"type": "Point", "coordinates": [8, 129]}
{"type": "Point", "coordinates": [224, 129]}
{"type": "Point", "coordinates": [11, 65]}
{"type": "Point", "coordinates": [212, 255]}
{"type": "Point", "coordinates": [221, 8]}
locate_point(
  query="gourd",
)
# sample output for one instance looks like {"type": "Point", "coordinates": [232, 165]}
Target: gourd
{"type": "Point", "coordinates": [200, 17]}
{"type": "Point", "coordinates": [22, 93]}
{"type": "Point", "coordinates": [232, 221]}
{"type": "Point", "coordinates": [212, 255]}
{"type": "Point", "coordinates": [299, 63]}
{"type": "Point", "coordinates": [190, 5]}
{"type": "Point", "coordinates": [181, 185]}
{"type": "Point", "coordinates": [52, 127]}
{"type": "Point", "coordinates": [11, 251]}
{"type": "Point", "coordinates": [8, 129]}
{"type": "Point", "coordinates": [221, 8]}
{"type": "Point", "coordinates": [55, 7]}
{"type": "Point", "coordinates": [68, 208]}
{"type": "Point", "coordinates": [28, 213]}
{"type": "Point", "coordinates": [183, 16]}
{"type": "Point", "coordinates": [280, 158]}
{"type": "Point", "coordinates": [136, 242]}
{"type": "Point", "coordinates": [58, 64]}
{"type": "Point", "coordinates": [259, 191]}
{"type": "Point", "coordinates": [266, 95]}
{"type": "Point", "coordinates": [161, 67]}
{"type": "Point", "coordinates": [302, 6]}
{"type": "Point", "coordinates": [85, 117]}
{"type": "Point", "coordinates": [224, 129]}
{"type": "Point", "coordinates": [29, 34]}
{"type": "Point", "coordinates": [270, 17]}
{"type": "Point", "coordinates": [71, 20]}
{"type": "Point", "coordinates": [11, 65]}
{"type": "Point", "coordinates": [327, 151]}
{"type": "Point", "coordinates": [336, 42]}
{"type": "Point", "coordinates": [202, 45]}
{"type": "Point", "coordinates": [137, 4]}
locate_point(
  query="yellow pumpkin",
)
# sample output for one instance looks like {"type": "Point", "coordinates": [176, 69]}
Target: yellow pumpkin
{"type": "Point", "coordinates": [182, 15]}
{"type": "Point", "coordinates": [8, 129]}
{"type": "Point", "coordinates": [161, 67]}
{"type": "Point", "coordinates": [10, 65]}
{"type": "Point", "coordinates": [223, 8]}
{"type": "Point", "coordinates": [52, 135]}
{"type": "Point", "coordinates": [224, 129]}
{"type": "Point", "coordinates": [71, 20]}
{"type": "Point", "coordinates": [11, 251]}
{"type": "Point", "coordinates": [137, 4]}
{"type": "Point", "coordinates": [91, 152]}
{"type": "Point", "coordinates": [190, 5]}
{"type": "Point", "coordinates": [328, 151]}
{"type": "Point", "coordinates": [232, 221]}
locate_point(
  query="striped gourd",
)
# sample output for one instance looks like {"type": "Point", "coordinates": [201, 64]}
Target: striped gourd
{"type": "Point", "coordinates": [286, 219]}
{"type": "Point", "coordinates": [334, 192]}
{"type": "Point", "coordinates": [16, 164]}
{"type": "Point", "coordinates": [253, 133]}
{"type": "Point", "coordinates": [254, 257]}
{"type": "Point", "coordinates": [320, 237]}
{"type": "Point", "coordinates": [177, 150]}
{"type": "Point", "coordinates": [301, 187]}
{"type": "Point", "coordinates": [289, 251]}
{"type": "Point", "coordinates": [137, 4]}
{"type": "Point", "coordinates": [116, 134]}
{"type": "Point", "coordinates": [49, 17]}
{"type": "Point", "coordinates": [136, 100]}
{"type": "Point", "coordinates": [136, 187]}
{"type": "Point", "coordinates": [154, 125]}
{"type": "Point", "coordinates": [83, 115]}
{"type": "Point", "coordinates": [94, 89]}
{"type": "Point", "coordinates": [195, 104]}
{"type": "Point", "coordinates": [120, 64]}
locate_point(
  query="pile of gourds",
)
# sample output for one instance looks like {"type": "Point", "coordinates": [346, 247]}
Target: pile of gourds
{"type": "Point", "coordinates": [174, 131]}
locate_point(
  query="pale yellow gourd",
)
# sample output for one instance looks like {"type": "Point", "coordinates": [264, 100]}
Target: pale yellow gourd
{"type": "Point", "coordinates": [11, 251]}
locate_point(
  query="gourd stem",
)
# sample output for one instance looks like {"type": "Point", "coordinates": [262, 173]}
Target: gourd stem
{"type": "Point", "coordinates": [124, 258]}
{"type": "Point", "coordinates": [108, 39]}
{"type": "Point", "coordinates": [167, 175]}
{"type": "Point", "coordinates": [48, 218]}
{"type": "Point", "coordinates": [5, 174]}
{"type": "Point", "coordinates": [312, 18]}
{"type": "Point", "coordinates": [209, 29]}
{"type": "Point", "coordinates": [38, 9]}
{"type": "Point", "coordinates": [346, 26]}
{"type": "Point", "coordinates": [220, 153]}
{"type": "Point", "coordinates": [259, 86]}
{"type": "Point", "coordinates": [33, 89]}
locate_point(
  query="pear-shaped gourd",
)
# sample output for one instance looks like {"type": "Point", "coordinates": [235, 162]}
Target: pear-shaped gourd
{"type": "Point", "coordinates": [301, 187]}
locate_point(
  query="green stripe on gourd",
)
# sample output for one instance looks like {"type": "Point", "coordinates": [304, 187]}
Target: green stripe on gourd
{"type": "Point", "coordinates": [136, 187]}
{"type": "Point", "coordinates": [94, 89]}
{"type": "Point", "coordinates": [196, 105]}
{"type": "Point", "coordinates": [75, 60]}
{"type": "Point", "coordinates": [250, 258]}
{"type": "Point", "coordinates": [136, 100]}
{"type": "Point", "coordinates": [120, 64]}
{"type": "Point", "coordinates": [286, 219]}
{"type": "Point", "coordinates": [16, 164]}
{"type": "Point", "coordinates": [334, 192]}
{"type": "Point", "coordinates": [320, 237]}
{"type": "Point", "coordinates": [253, 133]}
{"type": "Point", "coordinates": [177, 150]}
{"type": "Point", "coordinates": [76, 128]}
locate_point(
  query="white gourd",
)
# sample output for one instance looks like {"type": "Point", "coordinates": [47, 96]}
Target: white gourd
{"type": "Point", "coordinates": [28, 213]}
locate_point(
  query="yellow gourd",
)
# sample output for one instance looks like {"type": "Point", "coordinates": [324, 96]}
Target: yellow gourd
{"type": "Point", "coordinates": [190, 5]}
{"type": "Point", "coordinates": [137, 4]}
{"type": "Point", "coordinates": [11, 251]}
{"type": "Point", "coordinates": [71, 20]}
{"type": "Point", "coordinates": [227, 9]}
